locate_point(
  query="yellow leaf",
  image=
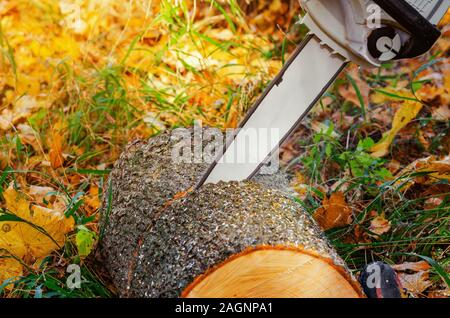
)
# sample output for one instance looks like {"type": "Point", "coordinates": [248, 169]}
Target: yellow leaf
{"type": "Point", "coordinates": [55, 224]}
{"type": "Point", "coordinates": [17, 203]}
{"type": "Point", "coordinates": [9, 269]}
{"type": "Point", "coordinates": [407, 112]}
{"type": "Point", "coordinates": [379, 98]}
{"type": "Point", "coordinates": [11, 238]}
{"type": "Point", "coordinates": [25, 240]}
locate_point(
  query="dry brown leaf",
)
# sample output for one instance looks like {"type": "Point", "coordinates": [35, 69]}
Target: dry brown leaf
{"type": "Point", "coordinates": [441, 113]}
{"type": "Point", "coordinates": [415, 283]}
{"type": "Point", "coordinates": [439, 170]}
{"type": "Point", "coordinates": [349, 93]}
{"type": "Point", "coordinates": [41, 193]}
{"type": "Point", "coordinates": [420, 266]}
{"type": "Point", "coordinates": [432, 203]}
{"type": "Point", "coordinates": [22, 109]}
{"type": "Point", "coordinates": [394, 166]}
{"type": "Point", "coordinates": [3, 161]}
{"type": "Point", "coordinates": [334, 212]}
{"type": "Point", "coordinates": [379, 225]}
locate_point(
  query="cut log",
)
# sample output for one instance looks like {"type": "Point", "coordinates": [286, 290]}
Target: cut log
{"type": "Point", "coordinates": [273, 271]}
{"type": "Point", "coordinates": [225, 240]}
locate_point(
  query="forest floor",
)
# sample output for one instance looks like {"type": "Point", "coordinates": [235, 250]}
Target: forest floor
{"type": "Point", "coordinates": [79, 79]}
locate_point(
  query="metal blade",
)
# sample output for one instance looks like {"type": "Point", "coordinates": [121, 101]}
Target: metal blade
{"type": "Point", "coordinates": [300, 84]}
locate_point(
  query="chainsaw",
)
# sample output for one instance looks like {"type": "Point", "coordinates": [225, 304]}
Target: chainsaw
{"type": "Point", "coordinates": [366, 32]}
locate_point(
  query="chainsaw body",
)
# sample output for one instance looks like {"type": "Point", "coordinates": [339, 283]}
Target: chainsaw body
{"type": "Point", "coordinates": [372, 32]}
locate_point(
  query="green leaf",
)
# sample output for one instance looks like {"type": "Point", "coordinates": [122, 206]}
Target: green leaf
{"type": "Point", "coordinates": [329, 150]}
{"type": "Point", "coordinates": [85, 240]}
{"type": "Point", "coordinates": [365, 144]}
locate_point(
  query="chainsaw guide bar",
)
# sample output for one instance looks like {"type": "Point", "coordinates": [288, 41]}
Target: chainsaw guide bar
{"type": "Point", "coordinates": [341, 31]}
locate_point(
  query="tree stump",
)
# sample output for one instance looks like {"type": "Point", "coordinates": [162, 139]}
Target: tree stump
{"type": "Point", "coordinates": [225, 240]}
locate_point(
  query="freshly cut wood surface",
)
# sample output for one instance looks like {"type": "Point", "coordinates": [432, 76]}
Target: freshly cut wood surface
{"type": "Point", "coordinates": [273, 272]}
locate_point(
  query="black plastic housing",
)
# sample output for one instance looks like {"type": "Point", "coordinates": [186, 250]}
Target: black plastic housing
{"type": "Point", "coordinates": [424, 34]}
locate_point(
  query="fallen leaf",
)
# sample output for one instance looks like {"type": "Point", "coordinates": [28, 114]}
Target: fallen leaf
{"type": "Point", "coordinates": [92, 198]}
{"type": "Point", "coordinates": [394, 166]}
{"type": "Point", "coordinates": [438, 170]}
{"type": "Point", "coordinates": [439, 293]}
{"type": "Point", "coordinates": [10, 268]}
{"type": "Point", "coordinates": [415, 283]}
{"type": "Point", "coordinates": [446, 19]}
{"type": "Point", "coordinates": [407, 112]}
{"type": "Point", "coordinates": [85, 240]}
{"type": "Point", "coordinates": [379, 225]}
{"type": "Point", "coordinates": [3, 161]}
{"type": "Point", "coordinates": [43, 231]}
{"type": "Point", "coordinates": [221, 34]}
{"type": "Point", "coordinates": [16, 202]}
{"type": "Point", "coordinates": [56, 148]}
{"type": "Point", "coordinates": [441, 113]}
{"type": "Point", "coordinates": [349, 93]}
{"type": "Point", "coordinates": [386, 95]}
{"type": "Point", "coordinates": [412, 266]}
{"type": "Point", "coordinates": [41, 193]}
{"type": "Point", "coordinates": [22, 109]}
{"type": "Point", "coordinates": [334, 212]}
{"type": "Point", "coordinates": [432, 203]}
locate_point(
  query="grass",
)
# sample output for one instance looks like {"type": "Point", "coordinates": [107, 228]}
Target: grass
{"type": "Point", "coordinates": [157, 71]}
{"type": "Point", "coordinates": [417, 233]}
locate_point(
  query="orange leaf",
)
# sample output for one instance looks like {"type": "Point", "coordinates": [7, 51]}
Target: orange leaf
{"type": "Point", "coordinates": [410, 266]}
{"type": "Point", "coordinates": [334, 212]}
{"type": "Point", "coordinates": [56, 157]}
{"type": "Point", "coordinates": [92, 198]}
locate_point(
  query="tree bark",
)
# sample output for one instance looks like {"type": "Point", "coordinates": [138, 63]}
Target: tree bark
{"type": "Point", "coordinates": [239, 239]}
